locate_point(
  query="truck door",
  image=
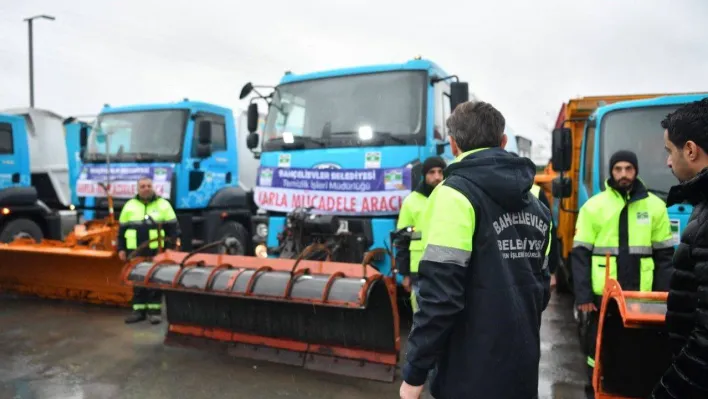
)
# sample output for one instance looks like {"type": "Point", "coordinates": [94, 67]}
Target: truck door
{"type": "Point", "coordinates": [14, 155]}
{"type": "Point", "coordinates": [208, 174]}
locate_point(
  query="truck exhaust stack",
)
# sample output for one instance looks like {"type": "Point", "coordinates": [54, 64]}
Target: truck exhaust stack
{"type": "Point", "coordinates": [340, 318]}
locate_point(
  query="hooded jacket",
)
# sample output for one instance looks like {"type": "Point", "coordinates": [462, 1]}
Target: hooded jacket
{"type": "Point", "coordinates": [483, 281]}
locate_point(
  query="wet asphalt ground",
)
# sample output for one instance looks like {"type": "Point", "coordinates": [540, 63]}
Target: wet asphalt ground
{"type": "Point", "coordinates": [59, 350]}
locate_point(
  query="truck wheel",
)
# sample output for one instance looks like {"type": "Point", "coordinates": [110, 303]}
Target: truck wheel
{"type": "Point", "coordinates": [235, 230]}
{"type": "Point", "coordinates": [21, 228]}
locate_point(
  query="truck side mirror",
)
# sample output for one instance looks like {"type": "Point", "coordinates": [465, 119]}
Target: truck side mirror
{"type": "Point", "coordinates": [459, 93]}
{"type": "Point", "coordinates": [252, 117]}
{"type": "Point", "coordinates": [204, 137]}
{"type": "Point", "coordinates": [246, 90]}
{"type": "Point", "coordinates": [562, 143]}
{"type": "Point", "coordinates": [83, 136]}
{"type": "Point", "coordinates": [561, 187]}
{"type": "Point", "coordinates": [83, 140]}
{"type": "Point", "coordinates": [440, 147]}
{"type": "Point", "coordinates": [252, 141]}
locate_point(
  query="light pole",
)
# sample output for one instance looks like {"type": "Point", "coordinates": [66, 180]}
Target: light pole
{"type": "Point", "coordinates": [31, 61]}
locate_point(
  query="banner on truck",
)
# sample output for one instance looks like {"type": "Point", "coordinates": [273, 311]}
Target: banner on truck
{"type": "Point", "coordinates": [124, 180]}
{"type": "Point", "coordinates": [333, 191]}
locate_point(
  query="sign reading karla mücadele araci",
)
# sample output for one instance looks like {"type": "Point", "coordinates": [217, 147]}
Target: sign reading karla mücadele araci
{"type": "Point", "coordinates": [124, 180]}
{"type": "Point", "coordinates": [333, 191]}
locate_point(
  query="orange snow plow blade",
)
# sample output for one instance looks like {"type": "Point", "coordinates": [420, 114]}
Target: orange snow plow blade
{"type": "Point", "coordinates": [632, 351]}
{"type": "Point", "coordinates": [340, 318]}
{"type": "Point", "coordinates": [83, 268]}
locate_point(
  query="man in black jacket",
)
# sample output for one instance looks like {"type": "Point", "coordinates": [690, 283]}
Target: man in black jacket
{"type": "Point", "coordinates": [483, 277]}
{"type": "Point", "coordinates": [686, 141]}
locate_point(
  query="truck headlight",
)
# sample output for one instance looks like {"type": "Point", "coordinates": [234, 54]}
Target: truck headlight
{"type": "Point", "coordinates": [262, 230]}
{"type": "Point", "coordinates": [261, 251]}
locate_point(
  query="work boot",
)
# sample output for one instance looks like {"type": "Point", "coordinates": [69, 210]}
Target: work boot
{"type": "Point", "coordinates": [135, 317]}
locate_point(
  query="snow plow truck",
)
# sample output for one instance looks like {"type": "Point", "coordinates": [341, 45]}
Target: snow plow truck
{"type": "Point", "coordinates": [339, 152]}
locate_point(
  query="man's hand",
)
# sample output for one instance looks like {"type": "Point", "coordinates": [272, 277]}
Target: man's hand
{"type": "Point", "coordinates": [553, 281]}
{"type": "Point", "coordinates": [121, 255]}
{"type": "Point", "coordinates": [410, 392]}
{"type": "Point", "coordinates": [407, 283]}
{"type": "Point", "coordinates": [587, 307]}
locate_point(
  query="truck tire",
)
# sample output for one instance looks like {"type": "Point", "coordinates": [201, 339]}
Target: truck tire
{"type": "Point", "coordinates": [23, 228]}
{"type": "Point", "coordinates": [235, 230]}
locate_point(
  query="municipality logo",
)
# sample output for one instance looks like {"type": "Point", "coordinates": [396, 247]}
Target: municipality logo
{"type": "Point", "coordinates": [159, 174]}
{"type": "Point", "coordinates": [393, 180]}
{"type": "Point", "coordinates": [266, 177]}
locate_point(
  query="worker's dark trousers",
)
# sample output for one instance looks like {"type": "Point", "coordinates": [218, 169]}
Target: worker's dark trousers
{"type": "Point", "coordinates": [590, 342]}
{"type": "Point", "coordinates": [147, 300]}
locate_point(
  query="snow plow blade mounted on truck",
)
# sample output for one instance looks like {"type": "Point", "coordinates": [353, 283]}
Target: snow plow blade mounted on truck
{"type": "Point", "coordinates": [632, 351]}
{"type": "Point", "coordinates": [334, 317]}
{"type": "Point", "coordinates": [83, 268]}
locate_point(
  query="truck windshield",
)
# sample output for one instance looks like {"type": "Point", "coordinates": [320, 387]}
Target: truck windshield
{"type": "Point", "coordinates": [388, 107]}
{"type": "Point", "coordinates": [639, 130]}
{"type": "Point", "coordinates": [142, 136]}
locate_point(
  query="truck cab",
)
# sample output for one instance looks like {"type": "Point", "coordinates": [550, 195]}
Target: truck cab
{"type": "Point", "coordinates": [633, 124]}
{"type": "Point", "coordinates": [188, 149]}
{"type": "Point", "coordinates": [349, 142]}
{"type": "Point", "coordinates": [35, 186]}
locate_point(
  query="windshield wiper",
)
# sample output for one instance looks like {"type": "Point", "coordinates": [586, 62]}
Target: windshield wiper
{"type": "Point", "coordinates": [377, 136]}
{"type": "Point", "coordinates": [301, 140]}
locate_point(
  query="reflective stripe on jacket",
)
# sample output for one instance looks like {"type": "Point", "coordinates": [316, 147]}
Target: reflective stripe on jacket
{"type": "Point", "coordinates": [631, 229]}
{"type": "Point", "coordinates": [411, 210]}
{"type": "Point", "coordinates": [136, 228]}
{"type": "Point", "coordinates": [483, 281]}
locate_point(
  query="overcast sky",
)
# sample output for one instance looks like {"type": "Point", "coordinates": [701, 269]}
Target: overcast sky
{"type": "Point", "coordinates": [525, 57]}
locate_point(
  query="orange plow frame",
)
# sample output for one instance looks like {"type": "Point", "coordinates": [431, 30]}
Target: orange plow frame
{"type": "Point", "coordinates": [627, 307]}
{"type": "Point", "coordinates": [84, 267]}
{"type": "Point", "coordinates": [241, 278]}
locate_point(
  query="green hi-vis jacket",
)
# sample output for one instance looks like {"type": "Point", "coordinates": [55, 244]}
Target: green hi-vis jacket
{"type": "Point", "coordinates": [636, 232]}
{"type": "Point", "coordinates": [413, 206]}
{"type": "Point", "coordinates": [483, 280]}
{"type": "Point", "coordinates": [136, 228]}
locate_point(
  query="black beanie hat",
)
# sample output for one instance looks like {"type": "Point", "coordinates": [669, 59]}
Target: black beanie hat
{"type": "Point", "coordinates": [624, 156]}
{"type": "Point", "coordinates": [433, 162]}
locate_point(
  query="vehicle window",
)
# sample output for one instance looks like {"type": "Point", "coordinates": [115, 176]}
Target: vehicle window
{"type": "Point", "coordinates": [589, 148]}
{"type": "Point", "coordinates": [6, 143]}
{"type": "Point", "coordinates": [639, 130]}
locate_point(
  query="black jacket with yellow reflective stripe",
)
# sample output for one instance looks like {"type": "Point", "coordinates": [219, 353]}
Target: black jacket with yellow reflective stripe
{"type": "Point", "coordinates": [628, 268]}
{"type": "Point", "coordinates": [484, 281]}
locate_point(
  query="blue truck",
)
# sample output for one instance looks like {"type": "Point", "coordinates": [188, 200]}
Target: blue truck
{"type": "Point", "coordinates": [601, 125]}
{"type": "Point", "coordinates": [189, 150]}
{"type": "Point", "coordinates": [36, 161]}
{"type": "Point", "coordinates": [347, 145]}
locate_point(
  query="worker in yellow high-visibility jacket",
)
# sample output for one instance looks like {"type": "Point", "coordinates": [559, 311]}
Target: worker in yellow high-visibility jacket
{"type": "Point", "coordinates": [630, 223]}
{"type": "Point", "coordinates": [407, 259]}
